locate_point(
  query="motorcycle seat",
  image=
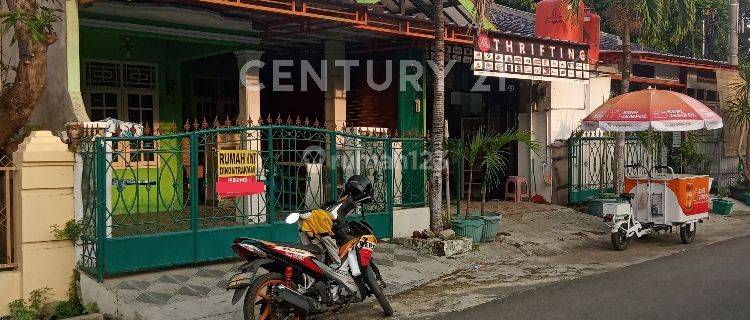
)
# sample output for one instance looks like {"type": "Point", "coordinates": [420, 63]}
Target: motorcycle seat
{"type": "Point", "coordinates": [314, 249]}
{"type": "Point", "coordinates": [627, 196]}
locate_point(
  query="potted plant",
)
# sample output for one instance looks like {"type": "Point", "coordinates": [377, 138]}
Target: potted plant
{"type": "Point", "coordinates": [489, 147]}
{"type": "Point", "coordinates": [722, 206]}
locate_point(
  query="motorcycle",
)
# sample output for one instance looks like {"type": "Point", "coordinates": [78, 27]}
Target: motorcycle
{"type": "Point", "coordinates": [292, 281]}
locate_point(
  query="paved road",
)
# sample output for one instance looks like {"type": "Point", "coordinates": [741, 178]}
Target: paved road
{"type": "Point", "coordinates": [708, 283]}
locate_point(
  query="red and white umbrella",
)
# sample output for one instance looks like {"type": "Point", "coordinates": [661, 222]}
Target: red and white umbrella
{"type": "Point", "coordinates": [660, 110]}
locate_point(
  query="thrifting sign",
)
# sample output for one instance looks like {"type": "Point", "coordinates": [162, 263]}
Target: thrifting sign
{"type": "Point", "coordinates": [508, 56]}
{"type": "Point", "coordinates": [236, 174]}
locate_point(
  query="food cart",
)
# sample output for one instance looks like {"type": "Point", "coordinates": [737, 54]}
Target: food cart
{"type": "Point", "coordinates": [660, 199]}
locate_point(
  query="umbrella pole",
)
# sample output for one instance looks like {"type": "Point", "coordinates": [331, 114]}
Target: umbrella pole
{"type": "Point", "coordinates": [603, 166]}
{"type": "Point", "coordinates": [619, 162]}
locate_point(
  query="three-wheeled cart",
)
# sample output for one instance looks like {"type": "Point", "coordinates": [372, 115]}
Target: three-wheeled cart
{"type": "Point", "coordinates": [658, 201]}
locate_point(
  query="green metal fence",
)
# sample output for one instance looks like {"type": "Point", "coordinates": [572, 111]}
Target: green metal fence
{"type": "Point", "coordinates": [151, 201]}
{"type": "Point", "coordinates": [590, 158]}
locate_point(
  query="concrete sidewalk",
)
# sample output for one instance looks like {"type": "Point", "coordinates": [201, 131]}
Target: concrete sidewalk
{"type": "Point", "coordinates": [539, 248]}
{"type": "Point", "coordinates": [200, 292]}
{"type": "Point", "coordinates": [533, 249]}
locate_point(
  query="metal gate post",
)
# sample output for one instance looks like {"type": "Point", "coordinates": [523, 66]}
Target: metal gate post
{"type": "Point", "coordinates": [194, 195]}
{"type": "Point", "coordinates": [459, 185]}
{"type": "Point", "coordinates": [101, 206]}
{"type": "Point", "coordinates": [270, 174]}
{"type": "Point", "coordinates": [334, 165]}
{"type": "Point", "coordinates": [571, 142]}
{"type": "Point", "coordinates": [389, 175]}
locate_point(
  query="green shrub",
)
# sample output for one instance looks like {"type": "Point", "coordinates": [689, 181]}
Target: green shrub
{"type": "Point", "coordinates": [29, 310]}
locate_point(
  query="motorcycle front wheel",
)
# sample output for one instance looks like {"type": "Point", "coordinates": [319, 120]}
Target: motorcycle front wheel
{"type": "Point", "coordinates": [372, 282]}
{"type": "Point", "coordinates": [620, 240]}
{"type": "Point", "coordinates": [259, 305]}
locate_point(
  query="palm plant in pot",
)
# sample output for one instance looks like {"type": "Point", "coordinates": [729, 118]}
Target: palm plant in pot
{"type": "Point", "coordinates": [488, 149]}
{"type": "Point", "coordinates": [721, 205]}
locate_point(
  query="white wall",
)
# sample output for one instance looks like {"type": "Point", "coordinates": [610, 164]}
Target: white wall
{"type": "Point", "coordinates": [406, 221]}
{"type": "Point", "coordinates": [558, 116]}
{"type": "Point", "coordinates": [571, 102]}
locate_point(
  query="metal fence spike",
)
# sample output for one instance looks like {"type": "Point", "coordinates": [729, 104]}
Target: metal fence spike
{"type": "Point", "coordinates": [186, 127]}
{"type": "Point", "coordinates": [216, 122]}
{"type": "Point", "coordinates": [227, 122]}
{"type": "Point", "coordinates": [249, 121]}
{"type": "Point", "coordinates": [269, 120]}
{"type": "Point", "coordinates": [146, 130]}
{"type": "Point", "coordinates": [307, 122]}
{"type": "Point", "coordinates": [316, 124]}
{"type": "Point", "coordinates": [288, 119]}
{"type": "Point", "coordinates": [204, 124]}
{"type": "Point", "coordinates": [278, 119]}
{"type": "Point", "coordinates": [260, 121]}
{"type": "Point", "coordinates": [297, 122]}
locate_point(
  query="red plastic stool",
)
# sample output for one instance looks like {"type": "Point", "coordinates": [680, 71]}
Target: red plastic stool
{"type": "Point", "coordinates": [516, 188]}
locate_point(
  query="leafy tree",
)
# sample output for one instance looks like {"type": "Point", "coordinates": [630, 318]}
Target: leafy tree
{"type": "Point", "coordinates": [649, 19]}
{"type": "Point", "coordinates": [29, 24]}
{"type": "Point", "coordinates": [737, 114]}
{"type": "Point", "coordinates": [525, 5]}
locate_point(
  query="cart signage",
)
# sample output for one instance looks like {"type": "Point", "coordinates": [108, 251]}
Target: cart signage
{"type": "Point", "coordinates": [509, 56]}
{"type": "Point", "coordinates": [236, 174]}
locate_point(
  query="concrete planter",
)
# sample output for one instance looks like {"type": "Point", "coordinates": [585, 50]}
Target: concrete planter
{"type": "Point", "coordinates": [438, 247]}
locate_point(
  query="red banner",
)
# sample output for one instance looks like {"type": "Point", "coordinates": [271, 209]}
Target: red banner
{"type": "Point", "coordinates": [233, 187]}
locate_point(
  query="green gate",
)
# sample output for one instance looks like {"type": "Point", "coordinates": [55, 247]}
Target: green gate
{"type": "Point", "coordinates": [151, 201]}
{"type": "Point", "coordinates": [590, 157]}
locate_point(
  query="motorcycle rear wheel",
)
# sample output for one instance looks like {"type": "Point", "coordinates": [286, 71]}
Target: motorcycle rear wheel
{"type": "Point", "coordinates": [259, 306]}
{"type": "Point", "coordinates": [372, 282]}
{"type": "Point", "coordinates": [687, 236]}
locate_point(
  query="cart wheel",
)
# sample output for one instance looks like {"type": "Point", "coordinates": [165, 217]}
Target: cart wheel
{"type": "Point", "coordinates": [620, 240]}
{"type": "Point", "coordinates": [686, 235]}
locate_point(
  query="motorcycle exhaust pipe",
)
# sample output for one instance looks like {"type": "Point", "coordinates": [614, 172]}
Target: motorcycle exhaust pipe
{"type": "Point", "coordinates": [296, 299]}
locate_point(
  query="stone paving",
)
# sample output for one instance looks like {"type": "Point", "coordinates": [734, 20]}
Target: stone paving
{"type": "Point", "coordinates": [199, 292]}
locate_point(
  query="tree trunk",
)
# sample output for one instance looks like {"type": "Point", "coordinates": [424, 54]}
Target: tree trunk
{"type": "Point", "coordinates": [746, 158]}
{"type": "Point", "coordinates": [618, 171]}
{"type": "Point", "coordinates": [18, 102]}
{"type": "Point", "coordinates": [438, 121]}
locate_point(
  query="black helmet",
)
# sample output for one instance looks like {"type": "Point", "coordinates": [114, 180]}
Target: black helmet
{"type": "Point", "coordinates": [359, 188]}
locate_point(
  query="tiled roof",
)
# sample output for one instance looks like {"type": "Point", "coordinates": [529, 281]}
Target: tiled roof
{"type": "Point", "coordinates": [453, 11]}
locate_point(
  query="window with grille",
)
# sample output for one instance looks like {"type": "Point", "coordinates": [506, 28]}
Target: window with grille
{"type": "Point", "coordinates": [127, 92]}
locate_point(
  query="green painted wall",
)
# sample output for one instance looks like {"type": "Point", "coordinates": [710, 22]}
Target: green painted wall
{"type": "Point", "coordinates": [408, 119]}
{"type": "Point", "coordinates": [411, 121]}
{"type": "Point", "coordinates": [168, 53]}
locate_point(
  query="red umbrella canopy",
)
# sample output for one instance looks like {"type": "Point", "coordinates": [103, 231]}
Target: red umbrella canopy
{"type": "Point", "coordinates": [660, 110]}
